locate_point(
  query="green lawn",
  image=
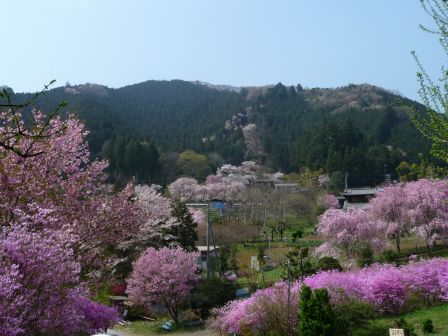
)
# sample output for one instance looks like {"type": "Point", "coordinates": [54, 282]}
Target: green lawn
{"type": "Point", "coordinates": [438, 315]}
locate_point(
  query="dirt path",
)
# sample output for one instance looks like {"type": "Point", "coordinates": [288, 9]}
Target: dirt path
{"type": "Point", "coordinates": [187, 333]}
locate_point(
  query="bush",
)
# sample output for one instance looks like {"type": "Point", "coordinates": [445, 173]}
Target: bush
{"type": "Point", "coordinates": [328, 264]}
{"type": "Point", "coordinates": [135, 312]}
{"type": "Point", "coordinates": [403, 324]}
{"type": "Point", "coordinates": [210, 294]}
{"type": "Point", "coordinates": [388, 256]}
{"type": "Point", "coordinates": [297, 235]}
{"type": "Point", "coordinates": [365, 257]}
{"type": "Point", "coordinates": [428, 327]}
{"type": "Point", "coordinates": [353, 314]}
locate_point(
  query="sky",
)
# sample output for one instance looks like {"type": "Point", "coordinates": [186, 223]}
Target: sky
{"type": "Point", "coordinates": [317, 43]}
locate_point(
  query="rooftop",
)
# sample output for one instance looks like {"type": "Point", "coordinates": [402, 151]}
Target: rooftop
{"type": "Point", "coordinates": [362, 191]}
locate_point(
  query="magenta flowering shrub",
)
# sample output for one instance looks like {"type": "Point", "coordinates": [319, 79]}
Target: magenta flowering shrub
{"type": "Point", "coordinates": [97, 316]}
{"type": "Point", "coordinates": [264, 311]}
{"type": "Point", "coordinates": [40, 286]}
{"type": "Point", "coordinates": [386, 287]}
{"type": "Point", "coordinates": [426, 278]}
{"type": "Point", "coordinates": [164, 276]}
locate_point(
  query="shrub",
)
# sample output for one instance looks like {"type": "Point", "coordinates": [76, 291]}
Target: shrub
{"type": "Point", "coordinates": [297, 235]}
{"type": "Point", "coordinates": [388, 256]}
{"type": "Point", "coordinates": [210, 294]}
{"type": "Point", "coordinates": [353, 313]}
{"type": "Point", "coordinates": [365, 256]}
{"type": "Point", "coordinates": [403, 324]}
{"type": "Point", "coordinates": [329, 263]}
{"type": "Point", "coordinates": [264, 313]}
{"type": "Point", "coordinates": [428, 327]}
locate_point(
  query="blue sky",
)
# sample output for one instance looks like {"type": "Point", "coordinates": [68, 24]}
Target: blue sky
{"type": "Point", "coordinates": [318, 43]}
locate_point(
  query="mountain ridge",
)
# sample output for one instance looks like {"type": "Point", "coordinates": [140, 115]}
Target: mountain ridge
{"type": "Point", "coordinates": [269, 124]}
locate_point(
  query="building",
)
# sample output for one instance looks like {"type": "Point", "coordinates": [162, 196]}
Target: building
{"type": "Point", "coordinates": [214, 255]}
{"type": "Point", "coordinates": [358, 197]}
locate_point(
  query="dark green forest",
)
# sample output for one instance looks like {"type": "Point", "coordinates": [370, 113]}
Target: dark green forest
{"type": "Point", "coordinates": [142, 129]}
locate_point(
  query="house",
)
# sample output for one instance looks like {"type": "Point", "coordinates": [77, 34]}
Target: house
{"type": "Point", "coordinates": [288, 187]}
{"type": "Point", "coordinates": [202, 260]}
{"type": "Point", "coordinates": [358, 197]}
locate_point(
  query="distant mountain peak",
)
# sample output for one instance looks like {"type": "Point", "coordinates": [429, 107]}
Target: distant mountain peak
{"type": "Point", "coordinates": [88, 88]}
{"type": "Point", "coordinates": [219, 87]}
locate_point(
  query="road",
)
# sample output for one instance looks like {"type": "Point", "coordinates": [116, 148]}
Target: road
{"type": "Point", "coordinates": [192, 333]}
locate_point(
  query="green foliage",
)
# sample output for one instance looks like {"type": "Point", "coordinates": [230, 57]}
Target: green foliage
{"type": "Point", "coordinates": [194, 164]}
{"type": "Point", "coordinates": [186, 230]}
{"type": "Point", "coordinates": [407, 327]}
{"type": "Point", "coordinates": [342, 147]}
{"type": "Point", "coordinates": [428, 327]}
{"type": "Point", "coordinates": [407, 172]}
{"type": "Point", "coordinates": [297, 235]}
{"type": "Point", "coordinates": [337, 130]}
{"type": "Point", "coordinates": [412, 172]}
{"type": "Point", "coordinates": [365, 256]}
{"type": "Point", "coordinates": [308, 178]}
{"type": "Point", "coordinates": [300, 264]}
{"type": "Point", "coordinates": [135, 312]}
{"type": "Point", "coordinates": [389, 256]}
{"type": "Point", "coordinates": [213, 293]}
{"type": "Point", "coordinates": [228, 258]}
{"type": "Point", "coordinates": [432, 121]}
{"type": "Point", "coordinates": [316, 316]}
{"type": "Point", "coordinates": [352, 314]}
{"type": "Point", "coordinates": [329, 263]}
{"type": "Point", "coordinates": [336, 181]}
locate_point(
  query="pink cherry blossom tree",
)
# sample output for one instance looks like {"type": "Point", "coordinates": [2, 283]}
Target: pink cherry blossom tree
{"type": "Point", "coordinates": [331, 202]}
{"type": "Point", "coordinates": [226, 188]}
{"type": "Point", "coordinates": [164, 276]}
{"type": "Point", "coordinates": [57, 222]}
{"type": "Point", "coordinates": [156, 219]}
{"type": "Point", "coordinates": [198, 216]}
{"type": "Point", "coordinates": [428, 208]}
{"type": "Point", "coordinates": [349, 231]}
{"type": "Point", "coordinates": [391, 209]}
{"type": "Point", "coordinates": [64, 181]}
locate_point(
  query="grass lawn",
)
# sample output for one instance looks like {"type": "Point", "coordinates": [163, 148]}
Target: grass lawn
{"type": "Point", "coordinates": [438, 315]}
{"type": "Point", "coordinates": [141, 328]}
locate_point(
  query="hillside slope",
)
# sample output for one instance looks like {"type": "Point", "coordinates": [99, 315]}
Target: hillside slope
{"type": "Point", "coordinates": [357, 128]}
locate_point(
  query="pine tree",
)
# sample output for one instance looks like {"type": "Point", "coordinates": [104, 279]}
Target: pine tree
{"type": "Point", "coordinates": [316, 316]}
{"type": "Point", "coordinates": [185, 231]}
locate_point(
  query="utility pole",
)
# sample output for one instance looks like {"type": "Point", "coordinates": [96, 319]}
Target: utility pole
{"type": "Point", "coordinates": [289, 299]}
{"type": "Point", "coordinates": [208, 241]}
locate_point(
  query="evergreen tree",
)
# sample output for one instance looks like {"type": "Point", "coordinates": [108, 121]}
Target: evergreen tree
{"type": "Point", "coordinates": [185, 231]}
{"type": "Point", "coordinates": [316, 316]}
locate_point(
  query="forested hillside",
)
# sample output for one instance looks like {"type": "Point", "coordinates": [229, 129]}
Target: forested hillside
{"type": "Point", "coordinates": [144, 127]}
